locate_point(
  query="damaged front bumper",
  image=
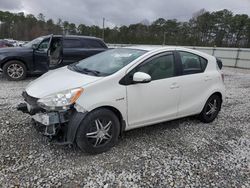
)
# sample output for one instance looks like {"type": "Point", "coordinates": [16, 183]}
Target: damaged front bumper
{"type": "Point", "coordinates": [60, 126]}
{"type": "Point", "coordinates": [52, 121]}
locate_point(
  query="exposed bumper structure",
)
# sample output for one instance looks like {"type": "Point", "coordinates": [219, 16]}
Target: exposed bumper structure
{"type": "Point", "coordinates": [50, 118]}
{"type": "Point", "coordinates": [22, 107]}
{"type": "Point", "coordinates": [60, 126]}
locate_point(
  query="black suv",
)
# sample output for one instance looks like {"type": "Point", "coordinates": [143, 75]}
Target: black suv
{"type": "Point", "coordinates": [47, 52]}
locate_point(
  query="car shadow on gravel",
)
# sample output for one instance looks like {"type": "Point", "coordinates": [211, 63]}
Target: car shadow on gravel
{"type": "Point", "coordinates": [160, 127]}
{"type": "Point", "coordinates": [150, 133]}
{"type": "Point", "coordinates": [134, 135]}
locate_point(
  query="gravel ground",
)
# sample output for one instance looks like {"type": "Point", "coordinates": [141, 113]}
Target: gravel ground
{"type": "Point", "coordinates": [181, 153]}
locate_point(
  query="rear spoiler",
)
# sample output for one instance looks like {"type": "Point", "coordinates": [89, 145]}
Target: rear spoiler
{"type": "Point", "coordinates": [219, 63]}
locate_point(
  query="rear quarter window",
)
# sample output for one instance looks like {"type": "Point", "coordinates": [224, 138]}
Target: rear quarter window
{"type": "Point", "coordinates": [192, 63]}
{"type": "Point", "coordinates": [203, 62]}
{"type": "Point", "coordinates": [219, 63]}
{"type": "Point", "coordinates": [72, 43]}
{"type": "Point", "coordinates": [92, 43]}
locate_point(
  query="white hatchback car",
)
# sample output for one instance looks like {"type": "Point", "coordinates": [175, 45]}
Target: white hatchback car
{"type": "Point", "coordinates": [93, 101]}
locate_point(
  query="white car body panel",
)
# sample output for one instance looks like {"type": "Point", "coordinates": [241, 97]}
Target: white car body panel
{"type": "Point", "coordinates": [197, 88]}
{"type": "Point", "coordinates": [144, 109]}
{"type": "Point", "coordinates": [106, 92]}
{"type": "Point", "coordinates": [58, 80]}
{"type": "Point", "coordinates": [139, 104]}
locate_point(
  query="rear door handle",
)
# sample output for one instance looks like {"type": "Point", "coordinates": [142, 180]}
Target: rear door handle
{"type": "Point", "coordinates": [207, 78]}
{"type": "Point", "coordinates": [174, 85]}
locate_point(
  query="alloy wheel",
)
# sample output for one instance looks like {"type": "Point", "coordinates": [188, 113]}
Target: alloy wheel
{"type": "Point", "coordinates": [212, 108]}
{"type": "Point", "coordinates": [15, 71]}
{"type": "Point", "coordinates": [100, 133]}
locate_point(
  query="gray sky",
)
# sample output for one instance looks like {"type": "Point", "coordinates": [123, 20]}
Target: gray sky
{"type": "Point", "coordinates": [120, 12]}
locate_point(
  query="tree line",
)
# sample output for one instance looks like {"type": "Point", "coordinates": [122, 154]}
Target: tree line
{"type": "Point", "coordinates": [219, 28]}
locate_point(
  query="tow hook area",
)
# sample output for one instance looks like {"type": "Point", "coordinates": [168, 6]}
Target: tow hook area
{"type": "Point", "coordinates": [51, 121]}
{"type": "Point", "coordinates": [22, 107]}
{"type": "Point", "coordinates": [50, 118]}
{"type": "Point", "coordinates": [48, 131]}
{"type": "Point", "coordinates": [60, 127]}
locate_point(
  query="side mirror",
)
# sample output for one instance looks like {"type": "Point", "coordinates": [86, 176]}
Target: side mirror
{"type": "Point", "coordinates": [141, 77]}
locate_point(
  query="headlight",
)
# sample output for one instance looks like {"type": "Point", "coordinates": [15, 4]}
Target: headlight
{"type": "Point", "coordinates": [62, 99]}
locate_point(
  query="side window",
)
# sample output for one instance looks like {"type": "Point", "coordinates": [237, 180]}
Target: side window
{"type": "Point", "coordinates": [89, 43]}
{"type": "Point", "coordinates": [43, 45]}
{"type": "Point", "coordinates": [203, 63]}
{"type": "Point", "coordinates": [159, 67]}
{"type": "Point", "coordinates": [72, 43]}
{"type": "Point", "coordinates": [192, 63]}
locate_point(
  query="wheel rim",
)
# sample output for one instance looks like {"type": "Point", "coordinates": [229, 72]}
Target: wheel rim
{"type": "Point", "coordinates": [212, 108]}
{"type": "Point", "coordinates": [100, 132]}
{"type": "Point", "coordinates": [15, 71]}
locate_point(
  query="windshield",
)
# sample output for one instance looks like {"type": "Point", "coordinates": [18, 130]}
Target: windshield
{"type": "Point", "coordinates": [108, 62]}
{"type": "Point", "coordinates": [34, 43]}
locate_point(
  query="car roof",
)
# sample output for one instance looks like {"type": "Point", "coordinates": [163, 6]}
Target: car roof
{"type": "Point", "coordinates": [156, 47]}
{"type": "Point", "coordinates": [77, 36]}
{"type": "Point", "coordinates": [73, 36]}
{"type": "Point", "coordinates": [161, 48]}
{"type": "Point", "coordinates": [144, 47]}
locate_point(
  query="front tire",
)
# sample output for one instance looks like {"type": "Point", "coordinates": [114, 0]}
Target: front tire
{"type": "Point", "coordinates": [98, 131]}
{"type": "Point", "coordinates": [211, 109]}
{"type": "Point", "coordinates": [14, 70]}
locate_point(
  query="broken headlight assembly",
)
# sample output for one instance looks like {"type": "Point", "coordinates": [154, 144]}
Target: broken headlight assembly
{"type": "Point", "coordinates": [61, 100]}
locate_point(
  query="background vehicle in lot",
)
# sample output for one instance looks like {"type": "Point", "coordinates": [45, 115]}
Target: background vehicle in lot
{"type": "Point", "coordinates": [123, 89]}
{"type": "Point", "coordinates": [5, 44]}
{"type": "Point", "coordinates": [47, 52]}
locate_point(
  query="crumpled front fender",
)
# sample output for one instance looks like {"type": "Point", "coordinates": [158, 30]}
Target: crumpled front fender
{"type": "Point", "coordinates": [74, 123]}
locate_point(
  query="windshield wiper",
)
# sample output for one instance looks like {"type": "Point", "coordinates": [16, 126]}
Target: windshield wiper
{"type": "Point", "coordinates": [74, 67]}
{"type": "Point", "coordinates": [96, 73]}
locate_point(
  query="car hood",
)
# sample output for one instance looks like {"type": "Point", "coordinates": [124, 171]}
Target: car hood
{"type": "Point", "coordinates": [15, 49]}
{"type": "Point", "coordinates": [58, 80]}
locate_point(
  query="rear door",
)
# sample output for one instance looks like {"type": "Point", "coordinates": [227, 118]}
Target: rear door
{"type": "Point", "coordinates": [76, 49]}
{"type": "Point", "coordinates": [194, 82]}
{"type": "Point", "coordinates": [73, 50]}
{"type": "Point", "coordinates": [93, 46]}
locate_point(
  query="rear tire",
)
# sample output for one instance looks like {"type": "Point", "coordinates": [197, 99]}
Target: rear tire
{"type": "Point", "coordinates": [211, 109]}
{"type": "Point", "coordinates": [14, 70]}
{"type": "Point", "coordinates": [98, 132]}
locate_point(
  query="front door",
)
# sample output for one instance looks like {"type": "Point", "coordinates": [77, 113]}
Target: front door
{"type": "Point", "coordinates": [156, 101]}
{"type": "Point", "coordinates": [41, 57]}
{"type": "Point", "coordinates": [55, 53]}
